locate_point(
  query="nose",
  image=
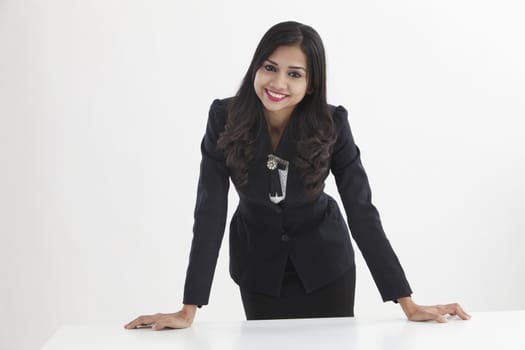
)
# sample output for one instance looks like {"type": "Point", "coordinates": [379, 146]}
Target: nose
{"type": "Point", "coordinates": [278, 82]}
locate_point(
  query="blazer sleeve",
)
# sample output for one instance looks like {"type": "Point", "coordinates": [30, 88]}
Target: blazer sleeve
{"type": "Point", "coordinates": [363, 217]}
{"type": "Point", "coordinates": [210, 211]}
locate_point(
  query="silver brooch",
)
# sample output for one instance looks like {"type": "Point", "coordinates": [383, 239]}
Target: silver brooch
{"type": "Point", "coordinates": [271, 163]}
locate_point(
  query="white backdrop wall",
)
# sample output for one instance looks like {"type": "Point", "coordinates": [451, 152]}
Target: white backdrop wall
{"type": "Point", "coordinates": [103, 105]}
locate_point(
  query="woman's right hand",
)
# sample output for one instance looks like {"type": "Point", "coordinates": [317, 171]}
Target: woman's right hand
{"type": "Point", "coordinates": [181, 319]}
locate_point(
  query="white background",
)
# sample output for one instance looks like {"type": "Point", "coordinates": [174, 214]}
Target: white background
{"type": "Point", "coordinates": [103, 105]}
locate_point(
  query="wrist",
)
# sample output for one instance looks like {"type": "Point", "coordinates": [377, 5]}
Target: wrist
{"type": "Point", "coordinates": [189, 310]}
{"type": "Point", "coordinates": [407, 304]}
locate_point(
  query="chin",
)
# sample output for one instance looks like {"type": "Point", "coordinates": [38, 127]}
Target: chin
{"type": "Point", "coordinates": [274, 108]}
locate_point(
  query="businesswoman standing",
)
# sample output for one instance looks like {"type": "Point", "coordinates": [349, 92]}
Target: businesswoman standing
{"type": "Point", "coordinates": [277, 139]}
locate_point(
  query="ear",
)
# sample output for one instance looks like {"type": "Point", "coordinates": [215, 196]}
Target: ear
{"type": "Point", "coordinates": [309, 91]}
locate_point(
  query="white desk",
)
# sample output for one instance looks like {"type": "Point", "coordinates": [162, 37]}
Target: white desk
{"type": "Point", "coordinates": [485, 330]}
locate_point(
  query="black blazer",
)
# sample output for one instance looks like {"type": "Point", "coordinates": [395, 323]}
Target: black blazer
{"type": "Point", "coordinates": [263, 234]}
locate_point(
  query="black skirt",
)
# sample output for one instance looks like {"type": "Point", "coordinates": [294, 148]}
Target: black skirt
{"type": "Point", "coordinates": [336, 299]}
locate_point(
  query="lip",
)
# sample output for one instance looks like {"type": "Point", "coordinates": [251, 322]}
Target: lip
{"type": "Point", "coordinates": [273, 97]}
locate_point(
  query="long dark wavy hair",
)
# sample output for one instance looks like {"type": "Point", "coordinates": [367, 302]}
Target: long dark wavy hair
{"type": "Point", "coordinates": [315, 133]}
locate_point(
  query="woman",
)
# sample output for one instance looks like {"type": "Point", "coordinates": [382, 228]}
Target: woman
{"type": "Point", "coordinates": [290, 250]}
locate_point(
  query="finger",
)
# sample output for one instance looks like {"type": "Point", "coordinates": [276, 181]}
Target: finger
{"type": "Point", "coordinates": [157, 326]}
{"type": "Point", "coordinates": [425, 314]}
{"type": "Point", "coordinates": [167, 322]}
{"type": "Point", "coordinates": [163, 323]}
{"type": "Point", "coordinates": [132, 324]}
{"type": "Point", "coordinates": [440, 319]}
{"type": "Point", "coordinates": [141, 321]}
{"type": "Point", "coordinates": [445, 309]}
{"type": "Point", "coordinates": [449, 309]}
{"type": "Point", "coordinates": [436, 314]}
{"type": "Point", "coordinates": [461, 313]}
{"type": "Point", "coordinates": [454, 309]}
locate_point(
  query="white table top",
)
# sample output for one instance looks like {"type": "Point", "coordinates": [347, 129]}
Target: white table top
{"type": "Point", "coordinates": [485, 330]}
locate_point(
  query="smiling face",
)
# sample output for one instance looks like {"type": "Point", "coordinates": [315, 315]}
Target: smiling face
{"type": "Point", "coordinates": [282, 81]}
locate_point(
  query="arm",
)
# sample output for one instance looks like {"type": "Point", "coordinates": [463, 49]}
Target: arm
{"type": "Point", "coordinates": [210, 212]}
{"type": "Point", "coordinates": [362, 216]}
{"type": "Point", "coordinates": [208, 230]}
{"type": "Point", "coordinates": [367, 231]}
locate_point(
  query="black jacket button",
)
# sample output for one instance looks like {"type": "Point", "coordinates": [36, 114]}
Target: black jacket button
{"type": "Point", "coordinates": [285, 238]}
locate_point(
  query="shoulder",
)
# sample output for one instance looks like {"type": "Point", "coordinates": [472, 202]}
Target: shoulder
{"type": "Point", "coordinates": [342, 126]}
{"type": "Point", "coordinates": [218, 114]}
{"type": "Point", "coordinates": [219, 106]}
{"type": "Point", "coordinates": [339, 115]}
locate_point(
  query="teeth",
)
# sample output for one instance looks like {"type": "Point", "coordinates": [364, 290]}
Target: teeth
{"type": "Point", "coordinates": [273, 94]}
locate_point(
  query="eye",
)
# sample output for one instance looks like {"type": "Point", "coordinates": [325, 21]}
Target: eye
{"type": "Point", "coordinates": [295, 74]}
{"type": "Point", "coordinates": [269, 68]}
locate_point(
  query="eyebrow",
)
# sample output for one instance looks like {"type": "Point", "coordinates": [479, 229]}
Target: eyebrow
{"type": "Point", "coordinates": [293, 67]}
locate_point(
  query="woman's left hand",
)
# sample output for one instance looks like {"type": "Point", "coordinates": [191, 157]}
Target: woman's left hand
{"type": "Point", "coordinates": [417, 312]}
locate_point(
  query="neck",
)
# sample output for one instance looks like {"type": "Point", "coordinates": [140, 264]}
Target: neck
{"type": "Point", "coordinates": [277, 121]}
